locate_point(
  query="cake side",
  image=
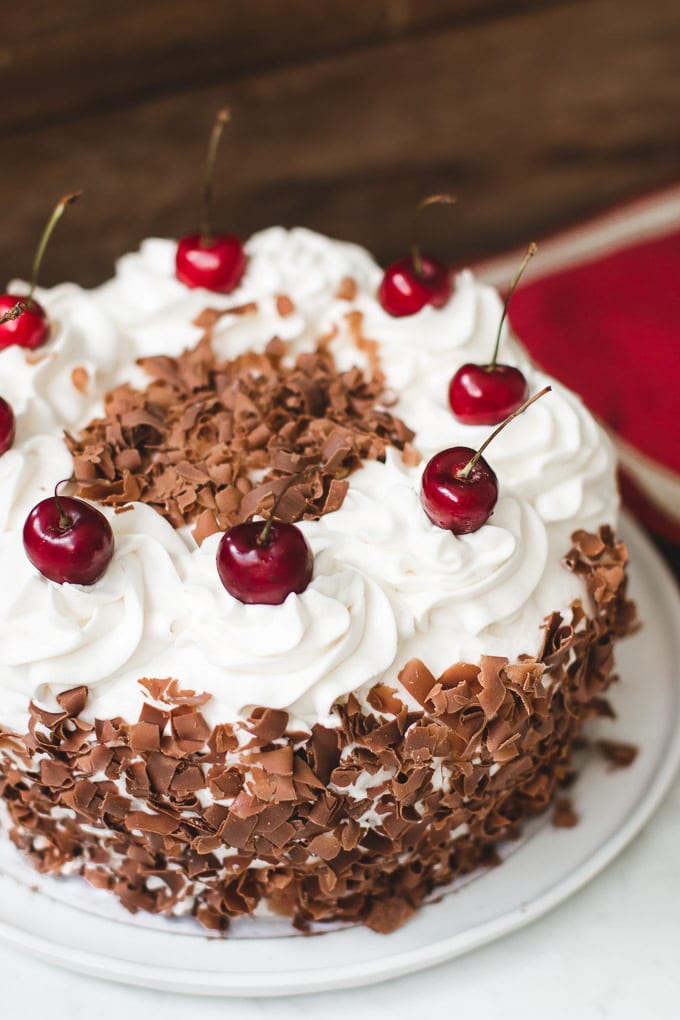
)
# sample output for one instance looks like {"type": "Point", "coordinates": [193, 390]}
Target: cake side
{"type": "Point", "coordinates": [356, 823]}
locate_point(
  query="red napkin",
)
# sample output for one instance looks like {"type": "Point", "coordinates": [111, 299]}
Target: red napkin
{"type": "Point", "coordinates": [599, 308]}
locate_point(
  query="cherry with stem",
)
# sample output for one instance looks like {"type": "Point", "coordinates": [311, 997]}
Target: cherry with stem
{"type": "Point", "coordinates": [207, 259]}
{"type": "Point", "coordinates": [68, 540]}
{"type": "Point", "coordinates": [486, 394]}
{"type": "Point", "coordinates": [23, 321]}
{"type": "Point", "coordinates": [263, 562]}
{"type": "Point", "coordinates": [459, 489]}
{"type": "Point", "coordinates": [416, 280]}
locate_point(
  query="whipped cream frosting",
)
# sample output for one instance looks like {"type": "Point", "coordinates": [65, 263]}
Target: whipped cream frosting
{"type": "Point", "coordinates": [387, 583]}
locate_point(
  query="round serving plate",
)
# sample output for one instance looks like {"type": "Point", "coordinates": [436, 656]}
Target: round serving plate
{"type": "Point", "coordinates": [65, 922]}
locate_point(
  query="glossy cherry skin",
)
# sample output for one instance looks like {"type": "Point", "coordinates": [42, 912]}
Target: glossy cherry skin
{"type": "Point", "coordinates": [460, 505]}
{"type": "Point", "coordinates": [217, 265]}
{"type": "Point", "coordinates": [77, 552]}
{"type": "Point", "coordinates": [30, 329]}
{"type": "Point", "coordinates": [7, 426]}
{"type": "Point", "coordinates": [403, 292]}
{"type": "Point", "coordinates": [264, 574]}
{"type": "Point", "coordinates": [486, 394]}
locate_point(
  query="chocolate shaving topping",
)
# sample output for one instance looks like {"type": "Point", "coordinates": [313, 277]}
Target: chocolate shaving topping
{"type": "Point", "coordinates": [355, 823]}
{"type": "Point", "coordinates": [211, 442]}
{"type": "Point", "coordinates": [347, 290]}
{"type": "Point", "coordinates": [564, 816]}
{"type": "Point", "coordinates": [618, 754]}
{"type": "Point", "coordinates": [80, 377]}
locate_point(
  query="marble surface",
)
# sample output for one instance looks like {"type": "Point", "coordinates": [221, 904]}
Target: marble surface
{"type": "Point", "coordinates": [611, 951]}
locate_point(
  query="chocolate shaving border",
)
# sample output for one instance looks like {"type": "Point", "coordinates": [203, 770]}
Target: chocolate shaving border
{"type": "Point", "coordinates": [355, 823]}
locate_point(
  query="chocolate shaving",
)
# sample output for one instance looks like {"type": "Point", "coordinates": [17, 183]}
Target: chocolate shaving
{"type": "Point", "coordinates": [417, 679]}
{"type": "Point", "coordinates": [73, 702]}
{"type": "Point", "coordinates": [347, 289]}
{"type": "Point", "coordinates": [189, 445]}
{"type": "Point", "coordinates": [284, 305]}
{"type": "Point", "coordinates": [80, 377]}
{"type": "Point", "coordinates": [564, 816]}
{"type": "Point", "coordinates": [618, 754]}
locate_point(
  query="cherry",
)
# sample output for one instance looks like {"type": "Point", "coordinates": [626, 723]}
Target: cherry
{"type": "Point", "coordinates": [412, 282]}
{"type": "Point", "coordinates": [405, 290]}
{"type": "Point", "coordinates": [68, 540]}
{"type": "Point", "coordinates": [486, 394]}
{"type": "Point", "coordinates": [7, 426]}
{"type": "Point", "coordinates": [214, 261]}
{"type": "Point", "coordinates": [262, 562]}
{"type": "Point", "coordinates": [456, 501]}
{"type": "Point", "coordinates": [459, 490]}
{"type": "Point", "coordinates": [217, 264]}
{"type": "Point", "coordinates": [23, 321]}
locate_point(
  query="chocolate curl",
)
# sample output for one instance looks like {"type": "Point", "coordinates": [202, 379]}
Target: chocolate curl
{"type": "Point", "coordinates": [189, 444]}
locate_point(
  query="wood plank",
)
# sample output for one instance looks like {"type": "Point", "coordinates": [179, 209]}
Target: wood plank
{"type": "Point", "coordinates": [58, 60]}
{"type": "Point", "coordinates": [533, 121]}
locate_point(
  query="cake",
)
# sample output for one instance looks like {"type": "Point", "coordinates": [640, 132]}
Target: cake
{"type": "Point", "coordinates": [342, 756]}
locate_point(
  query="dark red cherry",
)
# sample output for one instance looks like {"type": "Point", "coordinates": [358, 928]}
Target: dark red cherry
{"type": "Point", "coordinates": [23, 322]}
{"type": "Point", "coordinates": [456, 502]}
{"type": "Point", "coordinates": [459, 490]}
{"type": "Point", "coordinates": [68, 540]}
{"type": "Point", "coordinates": [417, 280]}
{"type": "Point", "coordinates": [486, 394]}
{"type": "Point", "coordinates": [7, 426]}
{"type": "Point", "coordinates": [217, 264]}
{"type": "Point", "coordinates": [404, 290]}
{"type": "Point", "coordinates": [29, 328]}
{"type": "Point", "coordinates": [214, 261]}
{"type": "Point", "coordinates": [264, 567]}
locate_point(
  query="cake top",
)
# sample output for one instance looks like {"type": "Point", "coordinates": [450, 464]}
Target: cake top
{"type": "Point", "coordinates": [387, 584]}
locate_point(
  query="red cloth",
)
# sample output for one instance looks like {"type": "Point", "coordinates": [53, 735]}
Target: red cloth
{"type": "Point", "coordinates": [605, 319]}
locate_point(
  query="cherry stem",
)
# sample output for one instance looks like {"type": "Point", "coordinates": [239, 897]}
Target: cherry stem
{"type": "Point", "coordinates": [221, 118]}
{"type": "Point", "coordinates": [65, 521]}
{"type": "Point", "coordinates": [263, 537]}
{"type": "Point", "coordinates": [46, 234]}
{"type": "Point", "coordinates": [13, 313]}
{"type": "Point", "coordinates": [416, 253]}
{"type": "Point", "coordinates": [531, 251]}
{"type": "Point", "coordinates": [465, 471]}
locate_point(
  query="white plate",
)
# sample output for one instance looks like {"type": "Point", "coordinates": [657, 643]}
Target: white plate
{"type": "Point", "coordinates": [538, 874]}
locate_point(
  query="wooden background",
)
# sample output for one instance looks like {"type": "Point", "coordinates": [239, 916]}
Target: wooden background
{"type": "Point", "coordinates": [345, 114]}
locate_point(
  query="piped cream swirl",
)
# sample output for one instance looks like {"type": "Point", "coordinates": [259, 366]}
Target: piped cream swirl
{"type": "Point", "coordinates": [387, 583]}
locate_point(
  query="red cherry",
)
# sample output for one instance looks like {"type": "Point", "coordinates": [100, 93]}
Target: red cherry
{"type": "Point", "coordinates": [417, 280]}
{"type": "Point", "coordinates": [486, 394]}
{"type": "Point", "coordinates": [458, 503]}
{"type": "Point", "coordinates": [214, 261]}
{"type": "Point", "coordinates": [29, 328]}
{"type": "Point", "coordinates": [459, 490]}
{"type": "Point", "coordinates": [68, 540]}
{"type": "Point", "coordinates": [23, 322]}
{"type": "Point", "coordinates": [404, 290]}
{"type": "Point", "coordinates": [7, 426]}
{"type": "Point", "coordinates": [217, 264]}
{"type": "Point", "coordinates": [263, 567]}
